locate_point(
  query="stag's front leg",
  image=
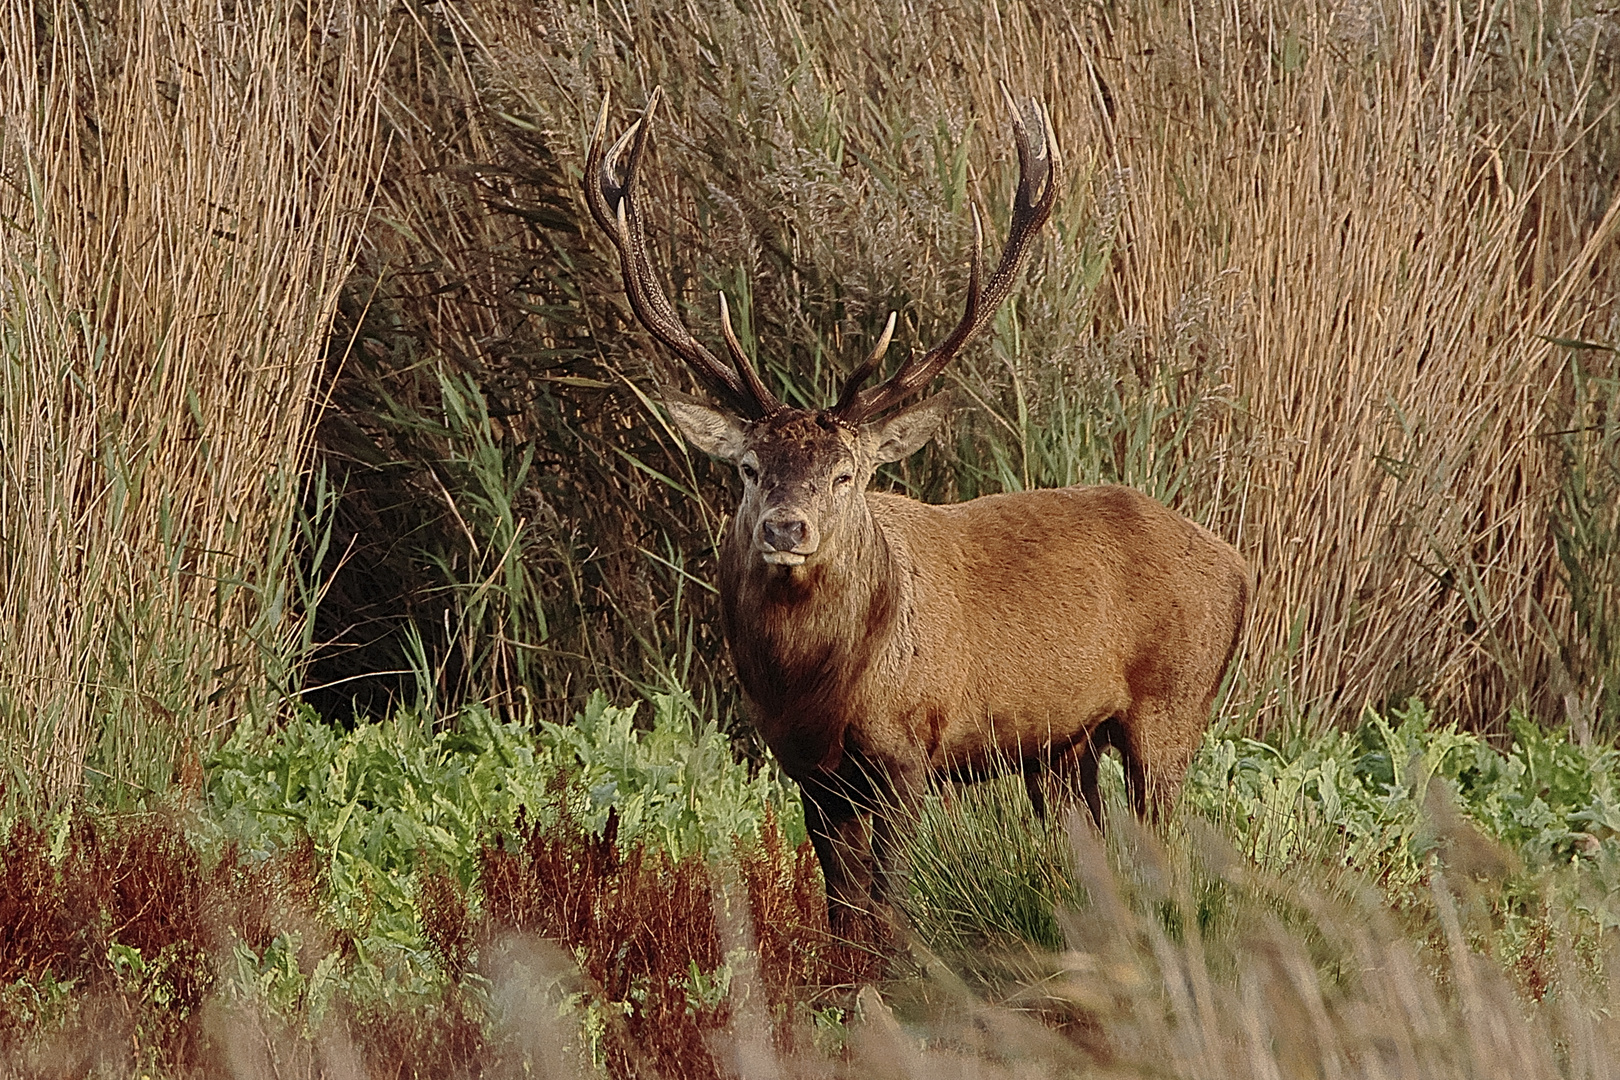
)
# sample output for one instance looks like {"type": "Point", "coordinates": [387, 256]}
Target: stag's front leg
{"type": "Point", "coordinates": [838, 832]}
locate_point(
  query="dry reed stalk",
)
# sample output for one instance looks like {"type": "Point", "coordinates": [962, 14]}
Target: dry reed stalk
{"type": "Point", "coordinates": [183, 186]}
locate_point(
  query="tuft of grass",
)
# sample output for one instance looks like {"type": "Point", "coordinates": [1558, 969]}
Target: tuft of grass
{"type": "Point", "coordinates": [985, 872]}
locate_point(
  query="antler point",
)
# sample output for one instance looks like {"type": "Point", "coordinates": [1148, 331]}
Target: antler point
{"type": "Point", "coordinates": [1054, 153]}
{"type": "Point", "coordinates": [1012, 104]}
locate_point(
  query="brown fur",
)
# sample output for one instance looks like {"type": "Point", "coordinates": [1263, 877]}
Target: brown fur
{"type": "Point", "coordinates": [1032, 630]}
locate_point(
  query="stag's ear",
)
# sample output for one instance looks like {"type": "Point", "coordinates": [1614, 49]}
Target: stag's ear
{"type": "Point", "coordinates": [904, 433]}
{"type": "Point", "coordinates": [715, 433]}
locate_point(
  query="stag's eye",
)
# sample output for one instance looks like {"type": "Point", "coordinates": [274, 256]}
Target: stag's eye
{"type": "Point", "coordinates": [749, 473]}
{"type": "Point", "coordinates": [843, 478]}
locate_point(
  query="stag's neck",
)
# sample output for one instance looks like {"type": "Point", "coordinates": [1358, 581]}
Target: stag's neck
{"type": "Point", "coordinates": [804, 638]}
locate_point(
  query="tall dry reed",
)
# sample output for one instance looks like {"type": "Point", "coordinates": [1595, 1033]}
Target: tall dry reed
{"type": "Point", "coordinates": [183, 185]}
{"type": "Point", "coordinates": [1390, 209]}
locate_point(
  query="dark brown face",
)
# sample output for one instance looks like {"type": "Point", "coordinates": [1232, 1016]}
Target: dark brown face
{"type": "Point", "coordinates": [803, 473]}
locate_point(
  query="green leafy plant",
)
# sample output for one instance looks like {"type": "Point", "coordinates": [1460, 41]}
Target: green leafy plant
{"type": "Point", "coordinates": [385, 803]}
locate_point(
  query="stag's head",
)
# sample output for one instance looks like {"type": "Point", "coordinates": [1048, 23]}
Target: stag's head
{"type": "Point", "coordinates": [804, 471]}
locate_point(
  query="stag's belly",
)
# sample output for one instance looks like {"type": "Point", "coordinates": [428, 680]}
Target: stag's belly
{"type": "Point", "coordinates": [1038, 695]}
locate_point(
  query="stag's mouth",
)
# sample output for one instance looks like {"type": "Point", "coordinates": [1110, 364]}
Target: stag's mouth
{"type": "Point", "coordinates": [784, 558]}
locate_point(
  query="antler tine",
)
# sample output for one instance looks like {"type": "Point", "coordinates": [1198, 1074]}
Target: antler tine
{"type": "Point", "coordinates": [852, 385]}
{"type": "Point", "coordinates": [618, 212]}
{"type": "Point", "coordinates": [1039, 169]}
{"type": "Point", "coordinates": [739, 359]}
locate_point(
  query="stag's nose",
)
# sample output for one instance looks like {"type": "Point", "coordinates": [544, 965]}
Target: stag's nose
{"type": "Point", "coordinates": [787, 539]}
{"type": "Point", "coordinates": [784, 534]}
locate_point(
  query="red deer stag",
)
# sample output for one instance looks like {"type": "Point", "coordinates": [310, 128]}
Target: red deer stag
{"type": "Point", "coordinates": [878, 639]}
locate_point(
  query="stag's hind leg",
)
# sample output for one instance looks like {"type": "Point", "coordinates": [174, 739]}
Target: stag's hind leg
{"type": "Point", "coordinates": [1158, 742]}
{"type": "Point", "coordinates": [1048, 781]}
{"type": "Point", "coordinates": [1141, 783]}
{"type": "Point", "coordinates": [1088, 762]}
{"type": "Point", "coordinates": [1034, 775]}
{"type": "Point", "coordinates": [1071, 768]}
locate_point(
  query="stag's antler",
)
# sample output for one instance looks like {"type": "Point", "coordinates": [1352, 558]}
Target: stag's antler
{"type": "Point", "coordinates": [617, 210]}
{"type": "Point", "coordinates": [1036, 166]}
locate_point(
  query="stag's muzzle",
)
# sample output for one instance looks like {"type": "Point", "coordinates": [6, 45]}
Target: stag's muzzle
{"type": "Point", "coordinates": [786, 539]}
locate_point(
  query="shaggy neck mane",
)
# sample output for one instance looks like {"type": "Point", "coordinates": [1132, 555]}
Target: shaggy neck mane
{"type": "Point", "coordinates": [802, 641]}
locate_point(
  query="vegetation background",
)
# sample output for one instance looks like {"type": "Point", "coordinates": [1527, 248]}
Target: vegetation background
{"type": "Point", "coordinates": [318, 389]}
